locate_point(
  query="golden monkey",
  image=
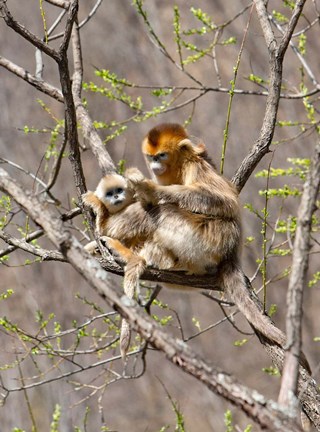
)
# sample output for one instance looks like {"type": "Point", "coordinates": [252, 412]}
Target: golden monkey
{"type": "Point", "coordinates": [134, 233]}
{"type": "Point", "coordinates": [110, 197]}
{"type": "Point", "coordinates": [114, 206]}
{"type": "Point", "coordinates": [197, 215]}
{"type": "Point", "coordinates": [209, 204]}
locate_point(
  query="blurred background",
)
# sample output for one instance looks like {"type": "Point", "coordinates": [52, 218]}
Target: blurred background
{"type": "Point", "coordinates": [116, 39]}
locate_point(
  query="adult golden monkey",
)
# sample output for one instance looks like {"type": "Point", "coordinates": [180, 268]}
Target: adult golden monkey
{"type": "Point", "coordinates": [196, 212]}
{"type": "Point", "coordinates": [198, 216]}
{"type": "Point", "coordinates": [196, 195]}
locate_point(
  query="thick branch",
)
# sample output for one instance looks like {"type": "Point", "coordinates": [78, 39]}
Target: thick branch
{"type": "Point", "coordinates": [300, 260]}
{"type": "Point", "coordinates": [265, 25]}
{"type": "Point", "coordinates": [89, 131]}
{"type": "Point", "coordinates": [262, 411]}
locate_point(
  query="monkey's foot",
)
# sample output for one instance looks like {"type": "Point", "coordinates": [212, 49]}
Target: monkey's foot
{"type": "Point", "coordinates": [111, 245]}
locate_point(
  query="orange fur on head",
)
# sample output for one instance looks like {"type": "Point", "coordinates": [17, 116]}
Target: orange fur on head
{"type": "Point", "coordinates": [164, 137]}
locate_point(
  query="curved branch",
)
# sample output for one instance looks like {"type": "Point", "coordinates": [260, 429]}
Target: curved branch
{"type": "Point", "coordinates": [262, 411]}
{"type": "Point", "coordinates": [276, 57]}
{"type": "Point", "coordinates": [25, 33]}
{"type": "Point", "coordinates": [89, 131]}
{"type": "Point", "coordinates": [300, 261]}
{"type": "Point", "coordinates": [39, 84]}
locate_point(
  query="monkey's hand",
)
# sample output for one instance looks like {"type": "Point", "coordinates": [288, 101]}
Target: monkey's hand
{"type": "Point", "coordinates": [145, 192]}
{"type": "Point", "coordinates": [134, 175]}
{"type": "Point", "coordinates": [90, 200]}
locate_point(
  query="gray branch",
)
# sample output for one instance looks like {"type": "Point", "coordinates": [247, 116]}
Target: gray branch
{"type": "Point", "coordinates": [300, 260]}
{"type": "Point", "coordinates": [264, 412]}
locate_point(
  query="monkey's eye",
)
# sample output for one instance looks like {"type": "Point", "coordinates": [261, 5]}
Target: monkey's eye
{"type": "Point", "coordinates": [119, 190]}
{"type": "Point", "coordinates": [149, 157]}
{"type": "Point", "coordinates": [109, 194]}
{"type": "Point", "coordinates": [162, 156]}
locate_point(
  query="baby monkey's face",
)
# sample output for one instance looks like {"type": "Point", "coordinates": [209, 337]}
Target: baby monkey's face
{"type": "Point", "coordinates": [113, 191]}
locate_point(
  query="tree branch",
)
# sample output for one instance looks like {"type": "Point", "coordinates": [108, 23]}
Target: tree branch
{"type": "Point", "coordinates": [25, 33]}
{"type": "Point", "coordinates": [39, 84]}
{"type": "Point", "coordinates": [39, 233]}
{"type": "Point", "coordinates": [300, 260]}
{"type": "Point", "coordinates": [45, 254]}
{"type": "Point", "coordinates": [283, 45]}
{"type": "Point", "coordinates": [265, 25]}
{"type": "Point", "coordinates": [89, 131]}
{"type": "Point", "coordinates": [262, 411]}
{"type": "Point", "coordinates": [60, 3]}
{"type": "Point", "coordinates": [261, 146]}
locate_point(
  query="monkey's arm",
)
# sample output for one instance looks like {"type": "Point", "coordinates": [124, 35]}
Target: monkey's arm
{"type": "Point", "coordinates": [194, 198]}
{"type": "Point", "coordinates": [101, 211]}
{"type": "Point", "coordinates": [92, 201]}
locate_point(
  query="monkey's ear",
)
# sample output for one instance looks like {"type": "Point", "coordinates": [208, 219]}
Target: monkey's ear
{"type": "Point", "coordinates": [185, 144]}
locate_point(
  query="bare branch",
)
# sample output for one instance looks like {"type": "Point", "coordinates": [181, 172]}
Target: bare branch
{"type": "Point", "coordinates": [39, 233]}
{"type": "Point", "coordinates": [46, 255]}
{"type": "Point", "coordinates": [265, 25]}
{"type": "Point", "coordinates": [262, 411]}
{"type": "Point", "coordinates": [262, 144]}
{"type": "Point", "coordinates": [72, 15]}
{"type": "Point", "coordinates": [283, 45]}
{"type": "Point", "coordinates": [39, 84]}
{"type": "Point", "coordinates": [83, 22]}
{"type": "Point", "coordinates": [28, 239]}
{"type": "Point", "coordinates": [60, 3]}
{"type": "Point", "coordinates": [25, 33]}
{"type": "Point", "coordinates": [89, 131]}
{"type": "Point", "coordinates": [300, 260]}
{"type": "Point", "coordinates": [29, 173]}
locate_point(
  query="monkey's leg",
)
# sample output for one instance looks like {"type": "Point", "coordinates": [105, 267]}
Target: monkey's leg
{"type": "Point", "coordinates": [118, 249]}
{"type": "Point", "coordinates": [135, 266]}
{"type": "Point", "coordinates": [134, 269]}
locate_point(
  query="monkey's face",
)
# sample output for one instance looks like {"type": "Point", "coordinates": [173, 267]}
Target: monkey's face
{"type": "Point", "coordinates": [113, 191]}
{"type": "Point", "coordinates": [161, 149]}
{"type": "Point", "coordinates": [158, 163]}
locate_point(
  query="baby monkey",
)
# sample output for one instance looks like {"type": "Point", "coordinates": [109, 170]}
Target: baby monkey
{"type": "Point", "coordinates": [115, 207]}
{"type": "Point", "coordinates": [110, 197]}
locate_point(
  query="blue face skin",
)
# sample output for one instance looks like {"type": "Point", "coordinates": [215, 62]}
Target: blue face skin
{"type": "Point", "coordinates": [116, 196]}
{"type": "Point", "coordinates": [158, 157]}
{"type": "Point", "coordinates": [156, 163]}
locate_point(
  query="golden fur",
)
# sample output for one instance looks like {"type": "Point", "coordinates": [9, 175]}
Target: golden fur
{"type": "Point", "coordinates": [191, 214]}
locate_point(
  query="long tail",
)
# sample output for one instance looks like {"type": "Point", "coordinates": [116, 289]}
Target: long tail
{"type": "Point", "coordinates": [238, 286]}
{"type": "Point", "coordinates": [134, 269]}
